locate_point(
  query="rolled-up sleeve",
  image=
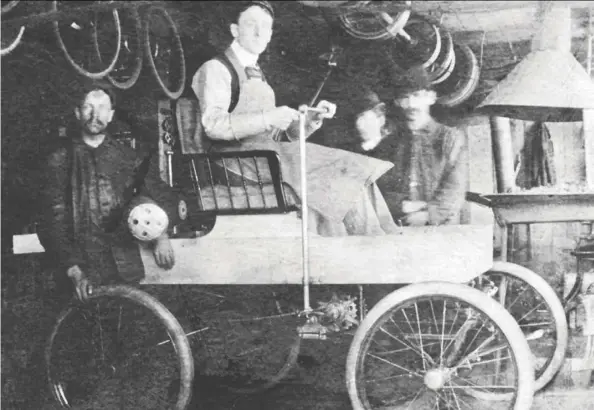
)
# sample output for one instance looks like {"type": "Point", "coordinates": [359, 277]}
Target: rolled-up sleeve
{"type": "Point", "coordinates": [212, 86]}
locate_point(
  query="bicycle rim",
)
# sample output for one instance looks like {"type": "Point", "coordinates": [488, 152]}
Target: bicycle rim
{"type": "Point", "coordinates": [77, 67]}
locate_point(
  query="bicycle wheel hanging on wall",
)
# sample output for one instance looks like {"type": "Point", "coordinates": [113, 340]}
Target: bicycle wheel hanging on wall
{"type": "Point", "coordinates": [441, 69]}
{"type": "Point", "coordinates": [164, 52]}
{"type": "Point", "coordinates": [372, 24]}
{"type": "Point", "coordinates": [11, 36]}
{"type": "Point", "coordinates": [463, 81]}
{"type": "Point", "coordinates": [418, 44]}
{"type": "Point", "coordinates": [75, 38]}
{"type": "Point", "coordinates": [129, 63]}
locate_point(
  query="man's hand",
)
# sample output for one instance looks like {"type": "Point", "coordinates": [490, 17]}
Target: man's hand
{"type": "Point", "coordinates": [163, 252]}
{"type": "Point", "coordinates": [329, 107]}
{"type": "Point", "coordinates": [81, 283]}
{"type": "Point", "coordinates": [419, 218]}
{"type": "Point", "coordinates": [281, 117]}
{"type": "Point", "coordinates": [409, 207]}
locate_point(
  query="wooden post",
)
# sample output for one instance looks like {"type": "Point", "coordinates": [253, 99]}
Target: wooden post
{"type": "Point", "coordinates": [588, 115]}
{"type": "Point", "coordinates": [503, 155]}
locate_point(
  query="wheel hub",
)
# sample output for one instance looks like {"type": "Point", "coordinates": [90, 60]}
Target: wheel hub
{"type": "Point", "coordinates": [435, 379]}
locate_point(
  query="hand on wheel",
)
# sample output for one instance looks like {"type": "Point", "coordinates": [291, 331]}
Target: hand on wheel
{"type": "Point", "coordinates": [82, 284]}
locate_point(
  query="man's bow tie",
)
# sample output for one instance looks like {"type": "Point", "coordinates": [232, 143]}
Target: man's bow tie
{"type": "Point", "coordinates": [253, 72]}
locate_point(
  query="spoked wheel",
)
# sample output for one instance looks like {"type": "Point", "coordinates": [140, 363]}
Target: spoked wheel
{"type": "Point", "coordinates": [439, 346]}
{"type": "Point", "coordinates": [75, 38]}
{"type": "Point", "coordinates": [123, 349]}
{"type": "Point", "coordinates": [534, 304]}
{"type": "Point", "coordinates": [251, 346]}
{"type": "Point", "coordinates": [463, 81]}
{"type": "Point", "coordinates": [418, 45]}
{"type": "Point", "coordinates": [129, 64]}
{"type": "Point", "coordinates": [368, 24]}
{"type": "Point", "coordinates": [164, 52]}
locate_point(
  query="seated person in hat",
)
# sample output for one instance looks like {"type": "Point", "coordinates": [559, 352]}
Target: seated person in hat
{"type": "Point", "coordinates": [428, 183]}
{"type": "Point", "coordinates": [342, 196]}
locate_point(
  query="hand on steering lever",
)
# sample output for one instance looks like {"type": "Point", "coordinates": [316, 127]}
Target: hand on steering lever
{"type": "Point", "coordinates": [281, 117]}
{"type": "Point", "coordinates": [82, 285]}
{"type": "Point", "coordinates": [329, 107]}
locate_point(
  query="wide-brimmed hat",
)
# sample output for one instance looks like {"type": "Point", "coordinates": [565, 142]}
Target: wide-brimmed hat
{"type": "Point", "coordinates": [365, 101]}
{"type": "Point", "coordinates": [409, 81]}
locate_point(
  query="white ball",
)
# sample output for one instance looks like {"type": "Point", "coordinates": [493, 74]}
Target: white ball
{"type": "Point", "coordinates": [147, 222]}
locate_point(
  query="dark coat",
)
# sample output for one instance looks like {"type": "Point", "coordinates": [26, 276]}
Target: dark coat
{"type": "Point", "coordinates": [84, 197]}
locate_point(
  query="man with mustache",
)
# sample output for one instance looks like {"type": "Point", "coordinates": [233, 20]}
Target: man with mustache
{"type": "Point", "coordinates": [89, 182]}
{"type": "Point", "coordinates": [343, 197]}
{"type": "Point", "coordinates": [428, 184]}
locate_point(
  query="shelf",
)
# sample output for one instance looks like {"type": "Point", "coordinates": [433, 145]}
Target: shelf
{"type": "Point", "coordinates": [537, 208]}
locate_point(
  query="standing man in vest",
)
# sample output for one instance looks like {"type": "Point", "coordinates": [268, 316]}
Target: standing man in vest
{"type": "Point", "coordinates": [428, 184]}
{"type": "Point", "coordinates": [345, 200]}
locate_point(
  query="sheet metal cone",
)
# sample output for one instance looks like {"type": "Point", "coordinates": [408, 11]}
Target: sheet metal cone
{"type": "Point", "coordinates": [548, 86]}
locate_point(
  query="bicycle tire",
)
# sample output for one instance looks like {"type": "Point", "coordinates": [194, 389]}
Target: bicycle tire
{"type": "Point", "coordinates": [385, 33]}
{"type": "Point", "coordinates": [176, 332]}
{"type": "Point", "coordinates": [171, 94]}
{"type": "Point", "coordinates": [135, 75]}
{"type": "Point", "coordinates": [79, 69]}
{"type": "Point", "coordinates": [10, 48]}
{"type": "Point", "coordinates": [549, 295]}
{"type": "Point", "coordinates": [8, 7]}
{"type": "Point", "coordinates": [464, 78]}
{"type": "Point", "coordinates": [501, 317]}
{"type": "Point", "coordinates": [431, 58]}
{"type": "Point", "coordinates": [444, 61]}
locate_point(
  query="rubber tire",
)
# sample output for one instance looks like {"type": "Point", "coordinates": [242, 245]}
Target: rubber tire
{"type": "Point", "coordinates": [171, 94]}
{"type": "Point", "coordinates": [458, 96]}
{"type": "Point", "coordinates": [139, 53]}
{"type": "Point", "coordinates": [74, 64]}
{"type": "Point", "coordinates": [7, 50]}
{"type": "Point", "coordinates": [386, 34]}
{"type": "Point", "coordinates": [474, 297]}
{"type": "Point", "coordinates": [444, 60]}
{"type": "Point", "coordinates": [536, 282]}
{"type": "Point", "coordinates": [449, 70]}
{"type": "Point", "coordinates": [176, 332]}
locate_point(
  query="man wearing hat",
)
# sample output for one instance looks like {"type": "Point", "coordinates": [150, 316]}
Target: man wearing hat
{"type": "Point", "coordinates": [342, 196]}
{"type": "Point", "coordinates": [428, 183]}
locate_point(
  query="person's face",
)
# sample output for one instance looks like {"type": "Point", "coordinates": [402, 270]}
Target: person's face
{"type": "Point", "coordinates": [95, 112]}
{"type": "Point", "coordinates": [370, 123]}
{"type": "Point", "coordinates": [416, 105]}
{"type": "Point", "coordinates": [253, 30]}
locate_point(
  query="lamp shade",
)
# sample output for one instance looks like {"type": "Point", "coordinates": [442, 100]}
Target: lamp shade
{"type": "Point", "coordinates": [546, 86]}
